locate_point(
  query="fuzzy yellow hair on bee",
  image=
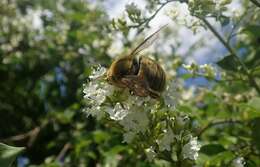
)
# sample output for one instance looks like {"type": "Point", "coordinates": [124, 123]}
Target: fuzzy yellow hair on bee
{"type": "Point", "coordinates": [142, 75]}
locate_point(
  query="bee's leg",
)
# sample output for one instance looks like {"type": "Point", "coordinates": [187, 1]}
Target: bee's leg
{"type": "Point", "coordinates": [136, 84]}
{"type": "Point", "coordinates": [132, 81]}
{"type": "Point", "coordinates": [153, 94]}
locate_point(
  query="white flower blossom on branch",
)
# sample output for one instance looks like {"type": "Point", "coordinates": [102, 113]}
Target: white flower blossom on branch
{"type": "Point", "coordinates": [118, 112]}
{"type": "Point", "coordinates": [128, 136]}
{"type": "Point", "coordinates": [166, 141]}
{"type": "Point", "coordinates": [150, 153]}
{"type": "Point", "coordinates": [190, 150]}
{"type": "Point", "coordinates": [144, 120]}
{"type": "Point", "coordinates": [100, 71]}
{"type": "Point", "coordinates": [238, 162]}
{"type": "Point", "coordinates": [136, 121]}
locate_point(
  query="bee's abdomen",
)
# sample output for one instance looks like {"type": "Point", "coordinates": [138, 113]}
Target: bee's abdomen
{"type": "Point", "coordinates": [153, 73]}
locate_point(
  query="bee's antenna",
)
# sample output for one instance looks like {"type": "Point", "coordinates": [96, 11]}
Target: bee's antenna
{"type": "Point", "coordinates": [147, 42]}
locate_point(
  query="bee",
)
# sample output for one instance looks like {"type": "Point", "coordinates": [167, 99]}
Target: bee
{"type": "Point", "coordinates": [142, 75]}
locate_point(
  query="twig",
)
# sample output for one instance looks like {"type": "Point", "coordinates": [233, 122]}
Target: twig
{"type": "Point", "coordinates": [202, 130]}
{"type": "Point", "coordinates": [241, 19]}
{"type": "Point", "coordinates": [231, 35]}
{"type": "Point", "coordinates": [64, 150]}
{"type": "Point", "coordinates": [30, 135]}
{"type": "Point", "coordinates": [147, 21]}
{"type": "Point", "coordinates": [251, 79]}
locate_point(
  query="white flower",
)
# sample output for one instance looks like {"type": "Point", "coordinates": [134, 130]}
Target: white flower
{"type": "Point", "coordinates": [182, 120]}
{"type": "Point", "coordinates": [170, 94]}
{"type": "Point", "coordinates": [186, 66]}
{"type": "Point", "coordinates": [100, 71]}
{"type": "Point", "coordinates": [166, 141]}
{"type": "Point", "coordinates": [190, 150]}
{"type": "Point", "coordinates": [208, 70]}
{"type": "Point", "coordinates": [238, 162]}
{"type": "Point", "coordinates": [136, 121]}
{"type": "Point", "coordinates": [132, 9]}
{"type": "Point", "coordinates": [150, 153]}
{"type": "Point", "coordinates": [96, 92]}
{"type": "Point", "coordinates": [118, 112]}
{"type": "Point", "coordinates": [94, 111]}
{"type": "Point", "coordinates": [137, 101]}
{"type": "Point", "coordinates": [129, 136]}
{"type": "Point", "coordinates": [188, 93]}
{"type": "Point", "coordinates": [88, 89]}
{"type": "Point", "coordinates": [180, 13]}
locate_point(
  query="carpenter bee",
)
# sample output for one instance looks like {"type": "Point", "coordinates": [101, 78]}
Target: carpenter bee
{"type": "Point", "coordinates": [142, 75]}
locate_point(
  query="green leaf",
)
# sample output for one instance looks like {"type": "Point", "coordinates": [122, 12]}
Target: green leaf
{"type": "Point", "coordinates": [228, 63]}
{"type": "Point", "coordinates": [8, 154]}
{"type": "Point", "coordinates": [111, 156]}
{"type": "Point", "coordinates": [117, 149]}
{"type": "Point", "coordinates": [223, 157]}
{"type": "Point", "coordinates": [224, 20]}
{"type": "Point", "coordinates": [255, 103]}
{"type": "Point", "coordinates": [251, 108]}
{"type": "Point", "coordinates": [254, 30]}
{"type": "Point", "coordinates": [255, 126]}
{"type": "Point", "coordinates": [212, 149]}
{"type": "Point", "coordinates": [187, 76]}
{"type": "Point", "coordinates": [256, 71]}
{"type": "Point", "coordinates": [101, 136]}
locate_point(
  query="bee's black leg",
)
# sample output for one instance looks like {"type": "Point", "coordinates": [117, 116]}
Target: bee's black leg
{"type": "Point", "coordinates": [153, 94]}
{"type": "Point", "coordinates": [136, 84]}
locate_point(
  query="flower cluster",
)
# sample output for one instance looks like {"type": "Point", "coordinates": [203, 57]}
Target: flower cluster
{"type": "Point", "coordinates": [152, 124]}
{"type": "Point", "coordinates": [134, 13]}
{"type": "Point", "coordinates": [204, 70]}
{"type": "Point", "coordinates": [180, 13]}
{"type": "Point", "coordinates": [238, 162]}
{"type": "Point", "coordinates": [208, 7]}
{"type": "Point", "coordinates": [190, 150]}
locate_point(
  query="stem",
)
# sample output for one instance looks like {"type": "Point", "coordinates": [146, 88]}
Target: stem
{"type": "Point", "coordinates": [232, 34]}
{"type": "Point", "coordinates": [147, 21]}
{"type": "Point", "coordinates": [202, 130]}
{"type": "Point", "coordinates": [251, 79]}
{"type": "Point", "coordinates": [64, 150]}
{"type": "Point", "coordinates": [256, 3]}
{"type": "Point", "coordinates": [30, 136]}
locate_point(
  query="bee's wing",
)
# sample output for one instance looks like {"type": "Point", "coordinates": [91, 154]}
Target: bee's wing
{"type": "Point", "coordinates": [147, 42]}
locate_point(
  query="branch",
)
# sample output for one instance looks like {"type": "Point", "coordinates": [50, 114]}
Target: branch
{"type": "Point", "coordinates": [256, 3]}
{"type": "Point", "coordinates": [147, 20]}
{"type": "Point", "coordinates": [212, 124]}
{"type": "Point", "coordinates": [30, 135]}
{"type": "Point", "coordinates": [251, 79]}
{"type": "Point", "coordinates": [64, 150]}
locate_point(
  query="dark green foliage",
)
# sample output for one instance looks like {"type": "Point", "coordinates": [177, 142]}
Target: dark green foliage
{"type": "Point", "coordinates": [228, 63]}
{"type": "Point", "coordinates": [44, 65]}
